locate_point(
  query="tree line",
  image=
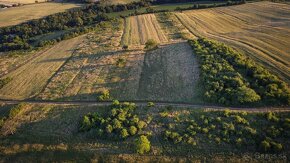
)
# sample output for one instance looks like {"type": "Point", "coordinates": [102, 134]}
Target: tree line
{"type": "Point", "coordinates": [232, 78]}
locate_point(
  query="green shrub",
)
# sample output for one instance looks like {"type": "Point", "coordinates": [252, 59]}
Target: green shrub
{"type": "Point", "coordinates": [239, 142]}
{"type": "Point", "coordinates": [241, 120]}
{"type": "Point", "coordinates": [205, 130]}
{"type": "Point", "coordinates": [141, 124]}
{"type": "Point", "coordinates": [109, 129]}
{"type": "Point", "coordinates": [217, 140]}
{"type": "Point", "coordinates": [265, 146]}
{"type": "Point", "coordinates": [151, 44]}
{"type": "Point", "coordinates": [277, 147]}
{"type": "Point", "coordinates": [86, 123]}
{"type": "Point", "coordinates": [16, 110]}
{"type": "Point", "coordinates": [117, 124]}
{"type": "Point", "coordinates": [2, 120]}
{"type": "Point", "coordinates": [124, 133]}
{"type": "Point", "coordinates": [104, 95]}
{"type": "Point", "coordinates": [142, 144]}
{"type": "Point", "coordinates": [121, 62]}
{"type": "Point", "coordinates": [4, 81]}
{"type": "Point", "coordinates": [272, 117]}
{"type": "Point", "coordinates": [133, 130]}
{"type": "Point", "coordinates": [150, 104]}
{"type": "Point", "coordinates": [191, 141]}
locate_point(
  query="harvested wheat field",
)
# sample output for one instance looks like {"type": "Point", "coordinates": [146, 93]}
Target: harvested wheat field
{"type": "Point", "coordinates": [29, 79]}
{"type": "Point", "coordinates": [16, 15]}
{"type": "Point", "coordinates": [20, 1]}
{"type": "Point", "coordinates": [261, 30]}
{"type": "Point", "coordinates": [138, 29]}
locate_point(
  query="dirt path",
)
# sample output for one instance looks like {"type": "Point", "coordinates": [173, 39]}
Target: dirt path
{"type": "Point", "coordinates": [144, 103]}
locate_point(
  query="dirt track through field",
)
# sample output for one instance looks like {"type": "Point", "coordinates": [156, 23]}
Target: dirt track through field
{"type": "Point", "coordinates": [261, 30]}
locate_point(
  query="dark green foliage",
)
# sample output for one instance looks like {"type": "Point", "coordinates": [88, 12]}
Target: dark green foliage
{"type": "Point", "coordinates": [150, 104]}
{"type": "Point", "coordinates": [4, 81]}
{"type": "Point", "coordinates": [104, 95]}
{"type": "Point", "coordinates": [151, 44]}
{"type": "Point", "coordinates": [125, 47]}
{"type": "Point", "coordinates": [18, 37]}
{"type": "Point", "coordinates": [121, 62]}
{"type": "Point", "coordinates": [142, 145]}
{"type": "Point", "coordinates": [230, 130]}
{"type": "Point", "coordinates": [119, 123]}
{"type": "Point", "coordinates": [16, 110]}
{"type": "Point", "coordinates": [231, 78]}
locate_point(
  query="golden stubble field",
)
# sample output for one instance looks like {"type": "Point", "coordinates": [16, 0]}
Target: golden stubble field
{"type": "Point", "coordinates": [16, 15]}
{"type": "Point", "coordinates": [30, 78]}
{"type": "Point", "coordinates": [138, 29]}
{"type": "Point", "coordinates": [166, 74]}
{"type": "Point", "coordinates": [261, 30]}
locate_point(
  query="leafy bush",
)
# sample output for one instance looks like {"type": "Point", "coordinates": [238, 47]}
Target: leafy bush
{"type": "Point", "coordinates": [121, 62]}
{"type": "Point", "coordinates": [272, 117]}
{"type": "Point", "coordinates": [4, 81]}
{"type": "Point", "coordinates": [16, 110]}
{"type": "Point", "coordinates": [104, 95]}
{"type": "Point", "coordinates": [151, 44]}
{"type": "Point", "coordinates": [265, 145]}
{"type": "Point", "coordinates": [142, 145]}
{"type": "Point", "coordinates": [150, 104]}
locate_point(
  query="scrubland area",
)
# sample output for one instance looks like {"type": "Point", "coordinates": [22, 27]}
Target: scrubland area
{"type": "Point", "coordinates": [61, 133]}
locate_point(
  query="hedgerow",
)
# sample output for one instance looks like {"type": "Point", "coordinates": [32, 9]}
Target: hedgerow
{"type": "Point", "coordinates": [231, 78]}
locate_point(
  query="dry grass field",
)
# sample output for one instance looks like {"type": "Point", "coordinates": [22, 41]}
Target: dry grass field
{"type": "Point", "coordinates": [138, 29]}
{"type": "Point", "coordinates": [30, 78]}
{"type": "Point", "coordinates": [20, 1]}
{"type": "Point", "coordinates": [109, 2]}
{"type": "Point", "coordinates": [16, 15]}
{"type": "Point", "coordinates": [261, 30]}
{"type": "Point", "coordinates": [168, 73]}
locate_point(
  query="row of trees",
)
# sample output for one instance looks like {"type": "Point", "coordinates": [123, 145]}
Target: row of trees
{"type": "Point", "coordinates": [231, 76]}
{"type": "Point", "coordinates": [222, 83]}
{"type": "Point", "coordinates": [21, 36]}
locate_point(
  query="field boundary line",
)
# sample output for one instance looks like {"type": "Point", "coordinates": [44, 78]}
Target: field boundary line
{"type": "Point", "coordinates": [144, 103]}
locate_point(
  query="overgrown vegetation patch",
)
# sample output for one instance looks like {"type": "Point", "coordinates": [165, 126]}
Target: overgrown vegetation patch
{"type": "Point", "coordinates": [120, 122]}
{"type": "Point", "coordinates": [224, 130]}
{"type": "Point", "coordinates": [231, 78]}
